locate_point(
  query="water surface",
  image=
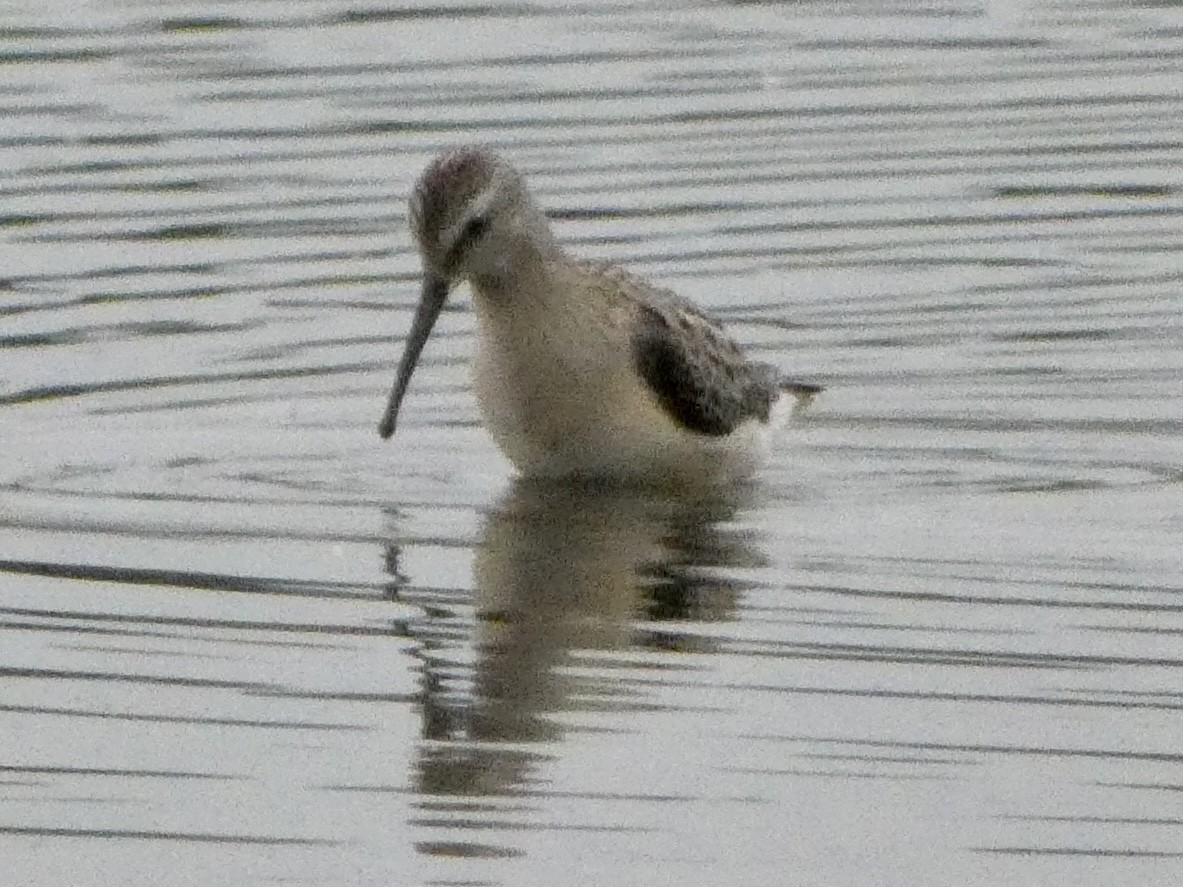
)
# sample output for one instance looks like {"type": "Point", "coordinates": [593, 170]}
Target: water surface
{"type": "Point", "coordinates": [243, 641]}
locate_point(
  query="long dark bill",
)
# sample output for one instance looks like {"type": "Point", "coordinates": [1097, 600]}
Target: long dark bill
{"type": "Point", "coordinates": [431, 301]}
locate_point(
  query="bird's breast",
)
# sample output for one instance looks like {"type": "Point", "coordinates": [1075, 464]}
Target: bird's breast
{"type": "Point", "coordinates": [560, 392]}
{"type": "Point", "coordinates": [558, 396]}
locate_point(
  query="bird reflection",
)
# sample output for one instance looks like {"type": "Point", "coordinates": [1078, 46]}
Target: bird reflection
{"type": "Point", "coordinates": [562, 570]}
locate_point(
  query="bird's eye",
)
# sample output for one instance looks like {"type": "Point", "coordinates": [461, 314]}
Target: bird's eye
{"type": "Point", "coordinates": [473, 230]}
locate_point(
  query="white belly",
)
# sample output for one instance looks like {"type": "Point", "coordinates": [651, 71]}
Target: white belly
{"type": "Point", "coordinates": [560, 405]}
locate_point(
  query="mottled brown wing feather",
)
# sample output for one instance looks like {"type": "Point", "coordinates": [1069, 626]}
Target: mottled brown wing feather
{"type": "Point", "coordinates": [697, 373]}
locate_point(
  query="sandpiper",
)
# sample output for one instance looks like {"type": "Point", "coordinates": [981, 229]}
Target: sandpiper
{"type": "Point", "coordinates": [582, 369]}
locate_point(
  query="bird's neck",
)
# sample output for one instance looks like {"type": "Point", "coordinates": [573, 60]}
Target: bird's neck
{"type": "Point", "coordinates": [524, 272]}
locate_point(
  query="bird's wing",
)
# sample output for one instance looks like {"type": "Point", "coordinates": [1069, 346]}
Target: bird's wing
{"type": "Point", "coordinates": [698, 374]}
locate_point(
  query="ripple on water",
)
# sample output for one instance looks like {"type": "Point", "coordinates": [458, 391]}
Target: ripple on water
{"type": "Point", "coordinates": [244, 640]}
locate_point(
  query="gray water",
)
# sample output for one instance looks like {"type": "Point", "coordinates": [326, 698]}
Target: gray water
{"type": "Point", "coordinates": [938, 642]}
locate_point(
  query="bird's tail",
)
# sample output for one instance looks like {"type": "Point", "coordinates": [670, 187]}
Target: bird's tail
{"type": "Point", "coordinates": [803, 392]}
{"type": "Point", "coordinates": [800, 389]}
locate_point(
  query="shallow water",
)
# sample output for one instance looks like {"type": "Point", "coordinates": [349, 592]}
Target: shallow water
{"type": "Point", "coordinates": [939, 640]}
